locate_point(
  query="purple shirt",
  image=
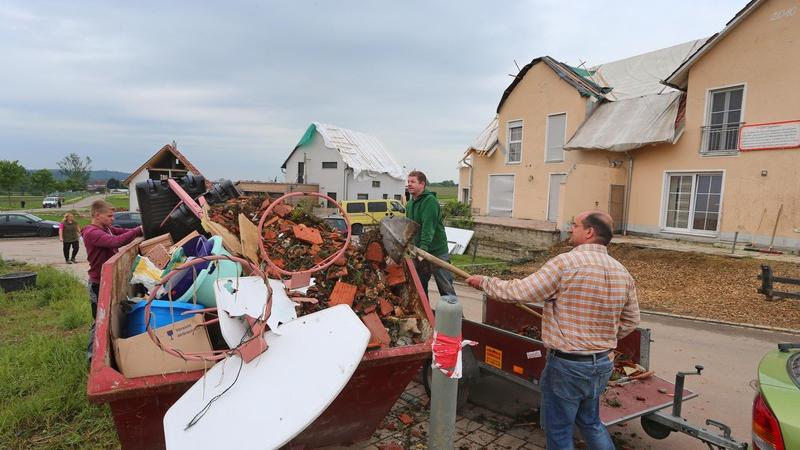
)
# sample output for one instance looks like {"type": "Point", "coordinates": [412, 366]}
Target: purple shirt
{"type": "Point", "coordinates": [102, 243]}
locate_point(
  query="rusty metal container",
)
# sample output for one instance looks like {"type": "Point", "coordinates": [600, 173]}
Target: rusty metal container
{"type": "Point", "coordinates": [138, 405]}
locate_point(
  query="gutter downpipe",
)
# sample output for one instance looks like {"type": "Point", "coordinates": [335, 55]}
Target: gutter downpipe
{"type": "Point", "coordinates": [627, 193]}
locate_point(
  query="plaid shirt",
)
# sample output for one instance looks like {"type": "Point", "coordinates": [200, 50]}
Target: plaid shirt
{"type": "Point", "coordinates": [589, 299]}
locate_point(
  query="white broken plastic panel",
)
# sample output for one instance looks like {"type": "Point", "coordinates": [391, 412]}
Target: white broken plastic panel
{"type": "Point", "coordinates": [266, 403]}
{"type": "Point", "coordinates": [240, 296]}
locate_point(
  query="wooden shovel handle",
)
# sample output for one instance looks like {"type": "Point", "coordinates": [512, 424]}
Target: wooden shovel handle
{"type": "Point", "coordinates": [447, 266]}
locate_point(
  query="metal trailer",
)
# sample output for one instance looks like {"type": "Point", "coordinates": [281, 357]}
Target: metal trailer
{"type": "Point", "coordinates": [138, 404]}
{"type": "Point", "coordinates": [514, 361]}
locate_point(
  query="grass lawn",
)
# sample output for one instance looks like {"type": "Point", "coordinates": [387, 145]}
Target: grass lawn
{"type": "Point", "coordinates": [481, 265]}
{"type": "Point", "coordinates": [43, 367]}
{"type": "Point", "coordinates": [81, 216]}
{"type": "Point", "coordinates": [445, 193]}
{"type": "Point", "coordinates": [119, 201]}
{"type": "Point", "coordinates": [31, 201]}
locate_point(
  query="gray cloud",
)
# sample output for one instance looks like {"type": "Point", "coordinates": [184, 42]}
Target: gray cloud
{"type": "Point", "coordinates": [237, 83]}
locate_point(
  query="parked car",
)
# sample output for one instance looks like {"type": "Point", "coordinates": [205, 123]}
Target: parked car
{"type": "Point", "coordinates": [127, 219]}
{"type": "Point", "coordinates": [50, 202]}
{"type": "Point", "coordinates": [370, 212]}
{"type": "Point", "coordinates": [23, 224]}
{"type": "Point", "coordinates": [776, 417]}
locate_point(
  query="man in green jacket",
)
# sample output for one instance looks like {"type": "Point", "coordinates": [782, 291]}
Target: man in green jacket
{"type": "Point", "coordinates": [424, 209]}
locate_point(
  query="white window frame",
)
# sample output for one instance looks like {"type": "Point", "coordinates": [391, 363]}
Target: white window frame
{"type": "Point", "coordinates": [374, 185]}
{"type": "Point", "coordinates": [547, 133]}
{"type": "Point", "coordinates": [662, 221]}
{"type": "Point", "coordinates": [707, 117]}
{"type": "Point", "coordinates": [489, 191]}
{"type": "Point", "coordinates": [508, 140]}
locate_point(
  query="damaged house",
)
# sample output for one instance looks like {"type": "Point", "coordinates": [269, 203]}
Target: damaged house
{"type": "Point", "coordinates": [696, 141]}
{"type": "Point", "coordinates": [346, 164]}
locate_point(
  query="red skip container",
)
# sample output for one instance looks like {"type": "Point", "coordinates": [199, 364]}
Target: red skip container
{"type": "Point", "coordinates": [138, 405]}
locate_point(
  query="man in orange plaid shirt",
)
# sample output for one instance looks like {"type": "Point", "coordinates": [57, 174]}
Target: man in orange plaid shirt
{"type": "Point", "coordinates": [589, 303]}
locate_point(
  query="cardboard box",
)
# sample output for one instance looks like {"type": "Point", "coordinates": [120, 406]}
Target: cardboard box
{"type": "Point", "coordinates": [139, 356]}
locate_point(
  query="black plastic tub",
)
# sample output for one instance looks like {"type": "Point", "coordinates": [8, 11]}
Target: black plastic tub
{"type": "Point", "coordinates": [16, 281]}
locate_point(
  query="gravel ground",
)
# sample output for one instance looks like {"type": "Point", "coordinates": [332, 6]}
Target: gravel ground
{"type": "Point", "coordinates": [700, 285]}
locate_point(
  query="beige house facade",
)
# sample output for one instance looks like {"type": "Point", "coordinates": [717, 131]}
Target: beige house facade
{"type": "Point", "coordinates": [718, 154]}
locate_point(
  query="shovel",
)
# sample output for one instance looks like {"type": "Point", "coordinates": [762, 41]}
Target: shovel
{"type": "Point", "coordinates": [397, 233]}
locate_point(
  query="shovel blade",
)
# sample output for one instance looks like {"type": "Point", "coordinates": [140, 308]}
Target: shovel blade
{"type": "Point", "coordinates": [397, 233]}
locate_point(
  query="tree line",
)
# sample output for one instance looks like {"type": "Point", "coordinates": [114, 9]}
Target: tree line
{"type": "Point", "coordinates": [74, 170]}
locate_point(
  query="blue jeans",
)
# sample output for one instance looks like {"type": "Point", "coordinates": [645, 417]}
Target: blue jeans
{"type": "Point", "coordinates": [571, 393]}
{"type": "Point", "coordinates": [442, 277]}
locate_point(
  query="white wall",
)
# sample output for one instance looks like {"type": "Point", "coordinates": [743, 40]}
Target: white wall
{"type": "Point", "coordinates": [333, 180]}
{"type": "Point", "coordinates": [133, 200]}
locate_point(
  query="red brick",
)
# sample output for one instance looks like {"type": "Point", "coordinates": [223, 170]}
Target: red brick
{"type": "Point", "coordinates": [395, 274]}
{"type": "Point", "coordinates": [307, 234]}
{"type": "Point", "coordinates": [405, 418]}
{"type": "Point", "coordinates": [376, 329]}
{"type": "Point", "coordinates": [374, 252]}
{"type": "Point", "coordinates": [343, 294]}
{"type": "Point", "coordinates": [386, 307]}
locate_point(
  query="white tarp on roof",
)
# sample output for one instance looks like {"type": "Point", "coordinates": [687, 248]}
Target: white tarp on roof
{"type": "Point", "coordinates": [642, 74]}
{"type": "Point", "coordinates": [365, 154]}
{"type": "Point", "coordinates": [487, 140]}
{"type": "Point", "coordinates": [628, 124]}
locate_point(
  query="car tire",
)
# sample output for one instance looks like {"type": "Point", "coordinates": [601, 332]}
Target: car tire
{"type": "Point", "coordinates": [357, 229]}
{"type": "Point", "coordinates": [44, 232]}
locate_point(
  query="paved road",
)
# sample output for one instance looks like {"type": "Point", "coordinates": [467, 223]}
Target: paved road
{"type": "Point", "coordinates": [730, 354]}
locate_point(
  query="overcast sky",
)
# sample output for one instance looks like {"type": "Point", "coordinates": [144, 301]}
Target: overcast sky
{"type": "Point", "coordinates": [237, 83]}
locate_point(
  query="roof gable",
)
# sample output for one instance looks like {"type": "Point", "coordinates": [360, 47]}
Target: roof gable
{"type": "Point", "coordinates": [680, 77]}
{"type": "Point", "coordinates": [585, 88]}
{"type": "Point", "coordinates": [171, 149]}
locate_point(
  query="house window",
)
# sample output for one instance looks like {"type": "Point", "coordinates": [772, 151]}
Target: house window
{"type": "Point", "coordinates": [301, 171]}
{"type": "Point", "coordinates": [330, 203]}
{"type": "Point", "coordinates": [362, 196]}
{"type": "Point", "coordinates": [514, 142]}
{"type": "Point", "coordinates": [556, 133]}
{"type": "Point", "coordinates": [376, 184]}
{"type": "Point", "coordinates": [721, 132]}
{"type": "Point", "coordinates": [465, 195]}
{"type": "Point", "coordinates": [693, 201]}
{"type": "Point", "coordinates": [385, 196]}
{"type": "Point", "coordinates": [398, 197]}
{"type": "Point", "coordinates": [329, 164]}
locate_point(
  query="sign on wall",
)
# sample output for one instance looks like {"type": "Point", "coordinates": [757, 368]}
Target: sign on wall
{"type": "Point", "coordinates": [770, 136]}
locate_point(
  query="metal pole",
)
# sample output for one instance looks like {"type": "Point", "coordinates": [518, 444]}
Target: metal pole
{"type": "Point", "coordinates": [735, 238]}
{"type": "Point", "coordinates": [444, 390]}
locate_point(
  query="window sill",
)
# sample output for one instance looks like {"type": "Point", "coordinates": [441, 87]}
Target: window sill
{"type": "Point", "coordinates": [513, 163]}
{"type": "Point", "coordinates": [719, 153]}
{"type": "Point", "coordinates": [709, 234]}
{"type": "Point", "coordinates": [558, 161]}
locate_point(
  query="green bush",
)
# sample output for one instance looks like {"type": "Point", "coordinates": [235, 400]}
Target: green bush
{"type": "Point", "coordinates": [458, 214]}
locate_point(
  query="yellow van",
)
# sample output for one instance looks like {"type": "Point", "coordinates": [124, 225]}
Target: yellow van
{"type": "Point", "coordinates": [370, 212]}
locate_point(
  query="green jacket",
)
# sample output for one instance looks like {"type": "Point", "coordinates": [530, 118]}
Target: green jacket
{"type": "Point", "coordinates": [426, 212]}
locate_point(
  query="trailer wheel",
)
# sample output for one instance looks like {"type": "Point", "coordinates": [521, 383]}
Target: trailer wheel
{"type": "Point", "coordinates": [463, 386]}
{"type": "Point", "coordinates": [654, 429]}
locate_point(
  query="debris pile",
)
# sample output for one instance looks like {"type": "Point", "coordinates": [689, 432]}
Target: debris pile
{"type": "Point", "coordinates": [296, 240]}
{"type": "Point", "coordinates": [625, 370]}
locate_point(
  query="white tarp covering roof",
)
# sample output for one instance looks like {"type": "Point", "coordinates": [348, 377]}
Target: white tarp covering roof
{"type": "Point", "coordinates": [642, 74]}
{"type": "Point", "coordinates": [628, 124]}
{"type": "Point", "coordinates": [365, 154]}
{"type": "Point", "coordinates": [487, 140]}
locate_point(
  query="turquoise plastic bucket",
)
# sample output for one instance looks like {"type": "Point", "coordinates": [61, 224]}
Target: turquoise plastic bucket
{"type": "Point", "coordinates": [204, 283]}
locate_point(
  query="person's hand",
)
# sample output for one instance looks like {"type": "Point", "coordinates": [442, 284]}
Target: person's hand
{"type": "Point", "coordinates": [475, 281]}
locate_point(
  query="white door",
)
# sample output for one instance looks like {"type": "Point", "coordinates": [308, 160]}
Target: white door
{"type": "Point", "coordinates": [501, 195]}
{"type": "Point", "coordinates": [552, 197]}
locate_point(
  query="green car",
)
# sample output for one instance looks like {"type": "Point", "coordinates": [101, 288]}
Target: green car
{"type": "Point", "coordinates": [776, 408]}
